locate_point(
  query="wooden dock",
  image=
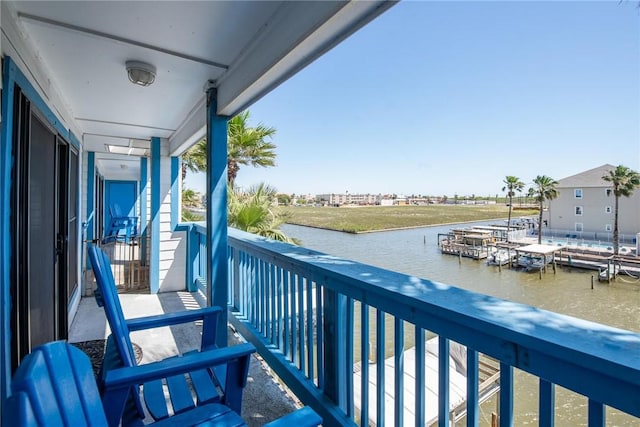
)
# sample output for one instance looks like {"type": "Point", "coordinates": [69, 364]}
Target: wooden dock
{"type": "Point", "coordinates": [608, 266]}
{"type": "Point", "coordinates": [460, 249]}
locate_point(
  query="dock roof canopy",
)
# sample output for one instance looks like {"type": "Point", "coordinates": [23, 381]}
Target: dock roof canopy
{"type": "Point", "coordinates": [540, 249]}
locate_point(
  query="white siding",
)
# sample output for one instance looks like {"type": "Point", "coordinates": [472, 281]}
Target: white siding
{"type": "Point", "coordinates": [173, 245]}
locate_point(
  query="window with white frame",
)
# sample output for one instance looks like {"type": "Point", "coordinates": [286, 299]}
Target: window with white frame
{"type": "Point", "coordinates": [578, 193]}
{"type": "Point", "coordinates": [578, 210]}
{"type": "Point", "coordinates": [607, 227]}
{"type": "Point", "coordinates": [608, 209]}
{"type": "Point", "coordinates": [608, 191]}
{"type": "Point", "coordinates": [578, 226]}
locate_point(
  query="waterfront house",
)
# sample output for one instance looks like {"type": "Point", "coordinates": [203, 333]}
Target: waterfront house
{"type": "Point", "coordinates": [585, 207]}
{"type": "Point", "coordinates": [100, 99]}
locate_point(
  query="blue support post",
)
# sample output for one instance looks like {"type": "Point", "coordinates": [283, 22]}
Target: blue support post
{"type": "Point", "coordinates": [217, 267]}
{"type": "Point", "coordinates": [144, 191]}
{"type": "Point", "coordinates": [193, 249]}
{"type": "Point", "coordinates": [175, 192]}
{"type": "Point", "coordinates": [154, 271]}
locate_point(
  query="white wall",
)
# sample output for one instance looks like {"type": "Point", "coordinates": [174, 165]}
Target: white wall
{"type": "Point", "coordinates": [173, 244]}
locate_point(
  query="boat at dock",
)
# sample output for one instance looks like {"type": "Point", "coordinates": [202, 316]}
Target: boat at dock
{"type": "Point", "coordinates": [536, 257]}
{"type": "Point", "coordinates": [501, 257]}
{"type": "Point", "coordinates": [488, 373]}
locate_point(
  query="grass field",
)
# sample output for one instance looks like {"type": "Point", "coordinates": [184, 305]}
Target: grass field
{"type": "Point", "coordinates": [376, 218]}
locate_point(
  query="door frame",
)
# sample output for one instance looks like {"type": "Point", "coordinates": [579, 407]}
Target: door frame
{"type": "Point", "coordinates": [14, 79]}
{"type": "Point", "coordinates": [107, 192]}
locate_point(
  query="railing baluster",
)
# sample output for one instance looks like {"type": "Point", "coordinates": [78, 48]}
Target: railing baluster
{"type": "Point", "coordinates": [546, 404]}
{"type": "Point", "coordinates": [319, 336]}
{"type": "Point", "coordinates": [259, 300]}
{"type": "Point", "coordinates": [266, 315]}
{"type": "Point", "coordinates": [294, 318]}
{"type": "Point", "coordinates": [596, 414]}
{"type": "Point", "coordinates": [310, 329]}
{"type": "Point", "coordinates": [286, 347]}
{"type": "Point", "coordinates": [273, 317]}
{"type": "Point", "coordinates": [279, 301]}
{"type": "Point", "coordinates": [246, 285]}
{"type": "Point", "coordinates": [420, 377]}
{"type": "Point", "coordinates": [364, 364]}
{"type": "Point", "coordinates": [349, 357]}
{"type": "Point", "coordinates": [236, 278]}
{"type": "Point", "coordinates": [301, 359]}
{"type": "Point", "coordinates": [380, 367]}
{"type": "Point", "coordinates": [443, 381]}
{"type": "Point", "coordinates": [264, 298]}
{"type": "Point", "coordinates": [398, 352]}
{"type": "Point", "coordinates": [506, 395]}
{"type": "Point", "coordinates": [241, 284]}
{"type": "Point", "coordinates": [472, 388]}
{"type": "Point", "coordinates": [253, 290]}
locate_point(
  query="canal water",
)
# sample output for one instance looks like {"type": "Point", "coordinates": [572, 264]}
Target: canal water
{"type": "Point", "coordinates": [415, 252]}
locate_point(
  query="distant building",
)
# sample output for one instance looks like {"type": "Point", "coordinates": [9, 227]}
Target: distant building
{"type": "Point", "coordinates": [586, 204]}
{"type": "Point", "coordinates": [335, 199]}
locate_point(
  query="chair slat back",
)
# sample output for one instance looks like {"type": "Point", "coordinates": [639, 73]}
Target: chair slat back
{"type": "Point", "coordinates": [55, 386]}
{"type": "Point", "coordinates": [114, 210]}
{"type": "Point", "coordinates": [113, 309]}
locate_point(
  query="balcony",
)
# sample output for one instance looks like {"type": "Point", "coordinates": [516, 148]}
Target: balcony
{"type": "Point", "coordinates": [68, 109]}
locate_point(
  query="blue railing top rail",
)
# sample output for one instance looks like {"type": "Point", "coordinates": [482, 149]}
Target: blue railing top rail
{"type": "Point", "coordinates": [595, 360]}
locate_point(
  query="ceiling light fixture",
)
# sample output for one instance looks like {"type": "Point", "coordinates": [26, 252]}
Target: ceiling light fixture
{"type": "Point", "coordinates": [140, 73]}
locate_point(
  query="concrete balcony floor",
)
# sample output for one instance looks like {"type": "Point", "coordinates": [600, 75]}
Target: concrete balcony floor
{"type": "Point", "coordinates": [264, 398]}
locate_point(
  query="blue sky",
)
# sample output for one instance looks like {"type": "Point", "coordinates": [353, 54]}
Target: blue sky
{"type": "Point", "coordinates": [450, 97]}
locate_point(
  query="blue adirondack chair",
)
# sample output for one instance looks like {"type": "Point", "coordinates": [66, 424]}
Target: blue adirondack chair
{"type": "Point", "coordinates": [119, 222]}
{"type": "Point", "coordinates": [55, 386]}
{"type": "Point", "coordinates": [212, 384]}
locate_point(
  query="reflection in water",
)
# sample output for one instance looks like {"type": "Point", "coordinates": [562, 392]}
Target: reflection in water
{"type": "Point", "coordinates": [415, 252]}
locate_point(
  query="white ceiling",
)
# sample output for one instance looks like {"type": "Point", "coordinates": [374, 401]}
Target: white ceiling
{"type": "Point", "coordinates": [245, 47]}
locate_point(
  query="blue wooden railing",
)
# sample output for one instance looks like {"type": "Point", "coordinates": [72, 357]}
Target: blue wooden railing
{"type": "Point", "coordinates": [313, 316]}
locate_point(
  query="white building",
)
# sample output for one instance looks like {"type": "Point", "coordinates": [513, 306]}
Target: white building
{"type": "Point", "coordinates": [335, 199]}
{"type": "Point", "coordinates": [586, 204]}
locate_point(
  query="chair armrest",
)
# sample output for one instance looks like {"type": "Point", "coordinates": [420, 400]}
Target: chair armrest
{"type": "Point", "coordinates": [135, 375]}
{"type": "Point", "coordinates": [304, 417]}
{"type": "Point", "coordinates": [169, 319]}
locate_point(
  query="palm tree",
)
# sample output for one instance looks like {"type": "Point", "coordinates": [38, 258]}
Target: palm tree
{"type": "Point", "coordinates": [252, 211]}
{"type": "Point", "coordinates": [512, 184]}
{"type": "Point", "coordinates": [245, 146]}
{"type": "Point", "coordinates": [544, 189]}
{"type": "Point", "coordinates": [248, 145]}
{"type": "Point", "coordinates": [624, 181]}
{"type": "Point", "coordinates": [191, 198]}
{"type": "Point", "coordinates": [195, 159]}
